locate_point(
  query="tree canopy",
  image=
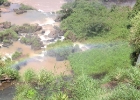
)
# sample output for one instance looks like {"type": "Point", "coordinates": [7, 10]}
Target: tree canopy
{"type": "Point", "coordinates": [90, 18]}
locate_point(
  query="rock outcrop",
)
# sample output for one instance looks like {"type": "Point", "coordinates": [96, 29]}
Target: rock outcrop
{"type": "Point", "coordinates": [6, 4]}
{"type": "Point", "coordinates": [18, 11]}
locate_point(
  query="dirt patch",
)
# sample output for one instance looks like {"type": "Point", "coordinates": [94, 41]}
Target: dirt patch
{"type": "Point", "coordinates": [110, 85]}
{"type": "Point", "coordinates": [98, 75]}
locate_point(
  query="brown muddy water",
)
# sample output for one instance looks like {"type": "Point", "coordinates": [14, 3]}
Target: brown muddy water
{"type": "Point", "coordinates": [44, 5]}
{"type": "Point", "coordinates": [26, 50]}
{"type": "Point", "coordinates": [49, 64]}
{"type": "Point", "coordinates": [30, 17]}
{"type": "Point", "coordinates": [46, 20]}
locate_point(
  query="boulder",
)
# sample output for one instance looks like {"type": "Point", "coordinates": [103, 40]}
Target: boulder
{"type": "Point", "coordinates": [51, 53]}
{"type": "Point", "coordinates": [53, 34]}
{"type": "Point", "coordinates": [6, 25]}
{"type": "Point", "coordinates": [6, 44]}
{"type": "Point", "coordinates": [76, 48]}
{"type": "Point", "coordinates": [60, 58]}
{"type": "Point", "coordinates": [58, 31]}
{"type": "Point", "coordinates": [43, 31]}
{"type": "Point", "coordinates": [38, 28]}
{"type": "Point", "coordinates": [19, 50]}
{"type": "Point", "coordinates": [58, 18]}
{"type": "Point", "coordinates": [6, 4]}
{"type": "Point", "coordinates": [18, 11]}
{"type": "Point", "coordinates": [50, 40]}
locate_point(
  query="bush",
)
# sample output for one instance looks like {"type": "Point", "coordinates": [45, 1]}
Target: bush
{"type": "Point", "coordinates": [25, 7]}
{"type": "Point", "coordinates": [25, 92]}
{"type": "Point", "coordinates": [16, 55]}
{"type": "Point", "coordinates": [91, 19]}
{"type": "Point", "coordinates": [45, 78]}
{"type": "Point", "coordinates": [29, 76]}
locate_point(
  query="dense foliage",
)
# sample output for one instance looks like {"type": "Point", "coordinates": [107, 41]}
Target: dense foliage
{"type": "Point", "coordinates": [135, 10]}
{"type": "Point", "coordinates": [90, 19]}
{"type": "Point", "coordinates": [2, 1]}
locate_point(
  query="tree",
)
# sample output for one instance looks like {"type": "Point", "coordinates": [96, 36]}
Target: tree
{"type": "Point", "coordinates": [1, 1]}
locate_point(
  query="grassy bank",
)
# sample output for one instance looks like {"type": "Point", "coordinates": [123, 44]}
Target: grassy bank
{"type": "Point", "coordinates": [98, 74]}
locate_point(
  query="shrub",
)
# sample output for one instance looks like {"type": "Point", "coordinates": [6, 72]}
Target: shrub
{"type": "Point", "coordinates": [25, 92]}
{"type": "Point", "coordinates": [45, 78]}
{"type": "Point", "coordinates": [60, 96]}
{"type": "Point", "coordinates": [29, 76]}
{"type": "Point", "coordinates": [16, 55]}
{"type": "Point", "coordinates": [25, 7]}
{"type": "Point", "coordinates": [91, 19]}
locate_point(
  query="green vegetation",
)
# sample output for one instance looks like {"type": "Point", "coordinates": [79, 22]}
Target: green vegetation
{"type": "Point", "coordinates": [91, 19]}
{"type": "Point", "coordinates": [6, 71]}
{"type": "Point", "coordinates": [135, 9]}
{"type": "Point", "coordinates": [2, 1]}
{"type": "Point", "coordinates": [101, 60]}
{"type": "Point", "coordinates": [25, 7]}
{"type": "Point", "coordinates": [8, 35]}
{"type": "Point", "coordinates": [59, 44]}
{"type": "Point", "coordinates": [102, 73]}
{"type": "Point", "coordinates": [16, 55]}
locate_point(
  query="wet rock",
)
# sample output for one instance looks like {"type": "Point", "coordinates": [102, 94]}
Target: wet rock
{"type": "Point", "coordinates": [76, 48]}
{"type": "Point", "coordinates": [43, 31]}
{"type": "Point", "coordinates": [51, 40]}
{"type": "Point", "coordinates": [16, 67]}
{"type": "Point", "coordinates": [58, 18]}
{"type": "Point", "coordinates": [59, 31]}
{"type": "Point", "coordinates": [6, 4]}
{"type": "Point", "coordinates": [19, 50]}
{"type": "Point", "coordinates": [20, 11]}
{"type": "Point", "coordinates": [51, 53]}
{"type": "Point", "coordinates": [1, 25]}
{"type": "Point", "coordinates": [7, 43]}
{"type": "Point", "coordinates": [38, 28]}
{"type": "Point", "coordinates": [6, 25]}
{"type": "Point", "coordinates": [60, 53]}
{"type": "Point", "coordinates": [60, 58]}
{"type": "Point", "coordinates": [53, 34]}
{"type": "Point", "coordinates": [27, 28]}
{"type": "Point", "coordinates": [34, 41]}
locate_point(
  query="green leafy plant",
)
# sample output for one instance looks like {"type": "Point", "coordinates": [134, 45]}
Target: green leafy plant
{"type": "Point", "coordinates": [29, 76]}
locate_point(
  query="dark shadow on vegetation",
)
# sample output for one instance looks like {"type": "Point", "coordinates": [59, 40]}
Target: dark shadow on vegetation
{"type": "Point", "coordinates": [134, 56]}
{"type": "Point", "coordinates": [98, 75]}
{"type": "Point", "coordinates": [110, 85]}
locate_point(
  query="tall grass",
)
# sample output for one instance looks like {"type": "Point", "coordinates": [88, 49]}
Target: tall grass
{"type": "Point", "coordinates": [99, 60]}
